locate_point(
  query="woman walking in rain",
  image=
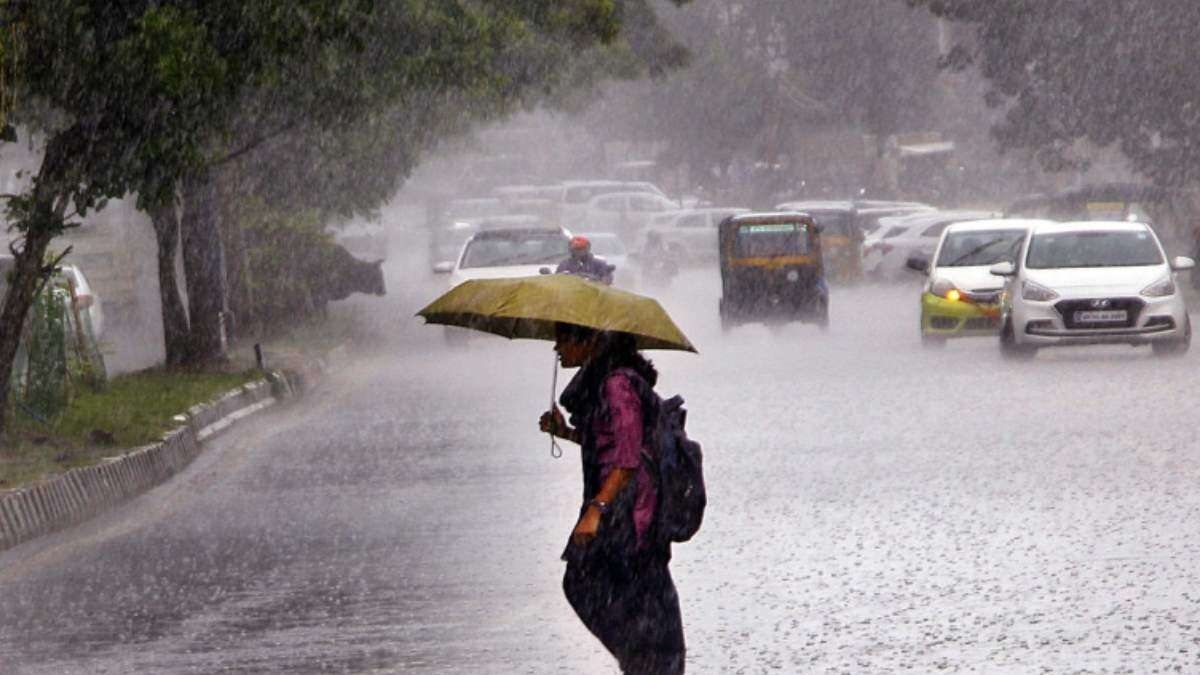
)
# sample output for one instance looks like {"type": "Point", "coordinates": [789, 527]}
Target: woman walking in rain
{"type": "Point", "coordinates": [617, 579]}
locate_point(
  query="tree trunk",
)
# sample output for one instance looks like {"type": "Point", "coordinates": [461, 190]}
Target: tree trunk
{"type": "Point", "coordinates": [41, 219]}
{"type": "Point", "coordinates": [174, 315]}
{"type": "Point", "coordinates": [238, 276]}
{"type": "Point", "coordinates": [24, 281]}
{"type": "Point", "coordinates": [204, 267]}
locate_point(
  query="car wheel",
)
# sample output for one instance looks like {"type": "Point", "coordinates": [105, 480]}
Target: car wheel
{"type": "Point", "coordinates": [823, 315]}
{"type": "Point", "coordinates": [1175, 347]}
{"type": "Point", "coordinates": [1010, 348]}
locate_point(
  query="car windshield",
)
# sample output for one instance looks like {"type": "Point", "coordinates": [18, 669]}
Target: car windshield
{"type": "Point", "coordinates": [773, 239]}
{"type": "Point", "coordinates": [514, 250]}
{"type": "Point", "coordinates": [967, 249]}
{"type": "Point", "coordinates": [1119, 248]}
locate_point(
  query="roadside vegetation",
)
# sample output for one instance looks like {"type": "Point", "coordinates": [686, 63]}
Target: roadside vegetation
{"type": "Point", "coordinates": [135, 409]}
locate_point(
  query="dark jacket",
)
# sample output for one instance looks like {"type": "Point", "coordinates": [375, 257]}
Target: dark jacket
{"type": "Point", "coordinates": [589, 267]}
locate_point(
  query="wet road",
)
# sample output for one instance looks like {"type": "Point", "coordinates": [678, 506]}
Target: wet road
{"type": "Point", "coordinates": [875, 507]}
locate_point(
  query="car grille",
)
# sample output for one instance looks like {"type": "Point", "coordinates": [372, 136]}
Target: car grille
{"type": "Point", "coordinates": [942, 323]}
{"type": "Point", "coordinates": [982, 323]}
{"type": "Point", "coordinates": [1067, 308]}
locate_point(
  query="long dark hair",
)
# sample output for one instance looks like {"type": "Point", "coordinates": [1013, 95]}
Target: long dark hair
{"type": "Point", "coordinates": [614, 350]}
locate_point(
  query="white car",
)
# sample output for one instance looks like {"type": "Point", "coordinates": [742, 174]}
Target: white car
{"type": "Point", "coordinates": [507, 253]}
{"type": "Point", "coordinates": [961, 297]}
{"type": "Point", "coordinates": [574, 195]}
{"type": "Point", "coordinates": [888, 256]}
{"type": "Point", "coordinates": [1093, 282]}
{"type": "Point", "coordinates": [510, 252]}
{"type": "Point", "coordinates": [625, 213]}
{"type": "Point", "coordinates": [692, 231]}
{"type": "Point", "coordinates": [85, 298]}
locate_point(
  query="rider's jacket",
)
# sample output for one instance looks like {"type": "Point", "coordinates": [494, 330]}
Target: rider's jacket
{"type": "Point", "coordinates": [588, 266]}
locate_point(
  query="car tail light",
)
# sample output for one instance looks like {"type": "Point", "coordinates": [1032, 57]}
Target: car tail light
{"type": "Point", "coordinates": [83, 301]}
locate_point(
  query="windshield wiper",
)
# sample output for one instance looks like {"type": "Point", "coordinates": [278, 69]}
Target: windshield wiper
{"type": "Point", "coordinates": [973, 252]}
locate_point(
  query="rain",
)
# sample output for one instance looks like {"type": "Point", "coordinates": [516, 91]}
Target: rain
{"type": "Point", "coordinates": [921, 271]}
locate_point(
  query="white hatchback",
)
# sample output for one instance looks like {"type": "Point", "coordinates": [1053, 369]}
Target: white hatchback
{"type": "Point", "coordinates": [1089, 283]}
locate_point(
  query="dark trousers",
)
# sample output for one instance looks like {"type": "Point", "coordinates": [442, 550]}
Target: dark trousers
{"type": "Point", "coordinates": [633, 610]}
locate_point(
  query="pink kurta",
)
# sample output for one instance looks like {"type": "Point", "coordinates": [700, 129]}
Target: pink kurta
{"type": "Point", "coordinates": [619, 439]}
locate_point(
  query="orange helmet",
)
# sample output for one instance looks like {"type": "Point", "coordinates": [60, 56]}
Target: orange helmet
{"type": "Point", "coordinates": [579, 243]}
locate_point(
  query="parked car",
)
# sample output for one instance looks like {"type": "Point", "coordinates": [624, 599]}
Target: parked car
{"type": "Point", "coordinates": [625, 213]}
{"type": "Point", "coordinates": [576, 194]}
{"type": "Point", "coordinates": [692, 232]}
{"type": "Point", "coordinates": [869, 218]}
{"type": "Point", "coordinates": [887, 258]}
{"type": "Point", "coordinates": [83, 297]}
{"type": "Point", "coordinates": [83, 323]}
{"type": "Point", "coordinates": [1093, 283]}
{"type": "Point", "coordinates": [961, 297]}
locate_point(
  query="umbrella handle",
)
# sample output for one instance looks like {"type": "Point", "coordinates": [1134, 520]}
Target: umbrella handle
{"type": "Point", "coordinates": [555, 450]}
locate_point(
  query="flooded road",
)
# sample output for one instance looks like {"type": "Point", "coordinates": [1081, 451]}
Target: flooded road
{"type": "Point", "coordinates": [874, 507]}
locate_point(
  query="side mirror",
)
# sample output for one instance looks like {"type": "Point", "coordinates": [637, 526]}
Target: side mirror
{"type": "Point", "coordinates": [1003, 269]}
{"type": "Point", "coordinates": [917, 264]}
{"type": "Point", "coordinates": [443, 267]}
{"type": "Point", "coordinates": [1181, 263]}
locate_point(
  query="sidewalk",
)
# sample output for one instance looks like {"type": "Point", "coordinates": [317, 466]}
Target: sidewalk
{"type": "Point", "coordinates": [48, 504]}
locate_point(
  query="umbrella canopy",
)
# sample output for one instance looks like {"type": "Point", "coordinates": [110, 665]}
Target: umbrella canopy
{"type": "Point", "coordinates": [529, 307]}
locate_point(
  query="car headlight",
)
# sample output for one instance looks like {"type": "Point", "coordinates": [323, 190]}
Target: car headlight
{"type": "Point", "coordinates": [945, 289]}
{"type": "Point", "coordinates": [1161, 288]}
{"type": "Point", "coordinates": [1036, 292]}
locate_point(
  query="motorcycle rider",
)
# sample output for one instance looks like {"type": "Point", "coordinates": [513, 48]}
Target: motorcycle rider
{"type": "Point", "coordinates": [583, 264]}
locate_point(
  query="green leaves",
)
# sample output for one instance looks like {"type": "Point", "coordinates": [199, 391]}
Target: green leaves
{"type": "Point", "coordinates": [1110, 72]}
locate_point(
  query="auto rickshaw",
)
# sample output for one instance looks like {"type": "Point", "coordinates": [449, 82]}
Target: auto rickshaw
{"type": "Point", "coordinates": [772, 270]}
{"type": "Point", "coordinates": [841, 235]}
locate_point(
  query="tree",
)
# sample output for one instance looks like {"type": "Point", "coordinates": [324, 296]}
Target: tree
{"type": "Point", "coordinates": [763, 75]}
{"type": "Point", "coordinates": [1111, 72]}
{"type": "Point", "coordinates": [316, 142]}
{"type": "Point", "coordinates": [127, 96]}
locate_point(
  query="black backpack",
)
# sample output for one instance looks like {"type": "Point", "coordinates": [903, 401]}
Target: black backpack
{"type": "Point", "coordinates": [679, 469]}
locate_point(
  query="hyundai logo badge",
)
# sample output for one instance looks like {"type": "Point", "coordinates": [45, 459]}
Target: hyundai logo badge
{"type": "Point", "coordinates": [1101, 304]}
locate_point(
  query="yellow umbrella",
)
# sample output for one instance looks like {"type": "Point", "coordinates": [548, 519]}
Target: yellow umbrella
{"type": "Point", "coordinates": [529, 307]}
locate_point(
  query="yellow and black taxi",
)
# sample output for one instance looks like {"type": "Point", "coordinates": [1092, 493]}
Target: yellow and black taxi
{"type": "Point", "coordinates": [772, 270]}
{"type": "Point", "coordinates": [961, 297]}
{"type": "Point", "coordinates": [841, 236]}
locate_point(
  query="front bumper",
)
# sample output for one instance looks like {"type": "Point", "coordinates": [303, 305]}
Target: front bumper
{"type": "Point", "coordinates": [1043, 324]}
{"type": "Point", "coordinates": [957, 318]}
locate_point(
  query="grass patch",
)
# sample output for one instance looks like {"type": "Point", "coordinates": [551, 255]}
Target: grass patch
{"type": "Point", "coordinates": [136, 409]}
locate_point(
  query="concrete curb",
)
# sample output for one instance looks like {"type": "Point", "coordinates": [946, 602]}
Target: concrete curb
{"type": "Point", "coordinates": [81, 493]}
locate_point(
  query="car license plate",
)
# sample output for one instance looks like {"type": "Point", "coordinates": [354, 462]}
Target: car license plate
{"type": "Point", "coordinates": [1102, 316]}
